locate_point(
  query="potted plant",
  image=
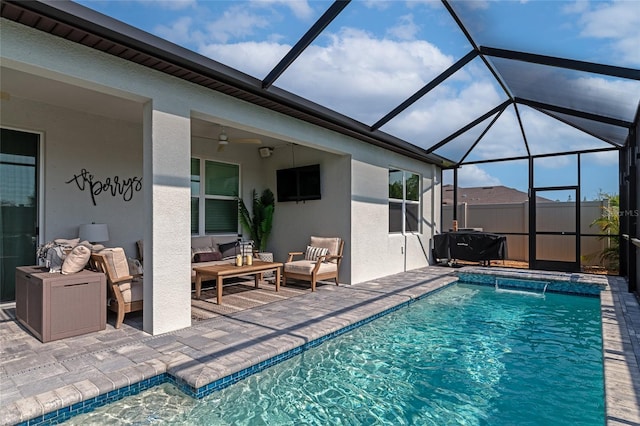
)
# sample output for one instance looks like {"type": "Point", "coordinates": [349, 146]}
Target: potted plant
{"type": "Point", "coordinates": [259, 225]}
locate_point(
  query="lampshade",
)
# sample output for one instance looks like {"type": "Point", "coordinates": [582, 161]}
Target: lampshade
{"type": "Point", "coordinates": [94, 232]}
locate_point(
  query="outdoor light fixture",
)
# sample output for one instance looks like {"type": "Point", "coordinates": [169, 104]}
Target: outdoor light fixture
{"type": "Point", "coordinates": [94, 232]}
{"type": "Point", "coordinates": [265, 151]}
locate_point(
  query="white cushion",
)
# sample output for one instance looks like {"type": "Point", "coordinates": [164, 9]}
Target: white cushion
{"type": "Point", "coordinates": [200, 242]}
{"type": "Point", "coordinates": [330, 243]}
{"type": "Point", "coordinates": [117, 260]}
{"type": "Point", "coordinates": [76, 260]}
{"type": "Point", "coordinates": [313, 253]}
{"type": "Point", "coordinates": [132, 291]}
{"type": "Point", "coordinates": [306, 267]}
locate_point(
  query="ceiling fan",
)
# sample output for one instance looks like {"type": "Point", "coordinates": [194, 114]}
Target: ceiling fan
{"type": "Point", "coordinates": [223, 140]}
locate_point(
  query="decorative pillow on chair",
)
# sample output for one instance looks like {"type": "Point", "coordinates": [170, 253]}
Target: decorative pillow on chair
{"type": "Point", "coordinates": [76, 260]}
{"type": "Point", "coordinates": [135, 267]}
{"type": "Point", "coordinates": [207, 256]}
{"type": "Point", "coordinates": [140, 248]}
{"type": "Point", "coordinates": [313, 253]}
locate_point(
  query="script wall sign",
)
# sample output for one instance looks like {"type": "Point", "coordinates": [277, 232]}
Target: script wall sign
{"type": "Point", "coordinates": [115, 186]}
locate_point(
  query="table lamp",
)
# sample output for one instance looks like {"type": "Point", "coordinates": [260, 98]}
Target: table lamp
{"type": "Point", "coordinates": [94, 232]}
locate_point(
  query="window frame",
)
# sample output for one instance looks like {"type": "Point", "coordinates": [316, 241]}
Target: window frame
{"type": "Point", "coordinates": [404, 202]}
{"type": "Point", "coordinates": [202, 196]}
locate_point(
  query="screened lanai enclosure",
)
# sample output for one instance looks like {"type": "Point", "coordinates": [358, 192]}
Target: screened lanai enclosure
{"type": "Point", "coordinates": [539, 96]}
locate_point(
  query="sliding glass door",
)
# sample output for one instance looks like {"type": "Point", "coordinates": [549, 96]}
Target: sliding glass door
{"type": "Point", "coordinates": [18, 205]}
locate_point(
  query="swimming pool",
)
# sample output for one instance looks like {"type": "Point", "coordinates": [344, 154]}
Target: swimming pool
{"type": "Point", "coordinates": [464, 355]}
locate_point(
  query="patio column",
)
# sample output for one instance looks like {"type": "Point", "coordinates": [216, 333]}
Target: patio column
{"type": "Point", "coordinates": [167, 212]}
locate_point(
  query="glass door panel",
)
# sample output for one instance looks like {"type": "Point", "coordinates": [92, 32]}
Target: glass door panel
{"type": "Point", "coordinates": [18, 206]}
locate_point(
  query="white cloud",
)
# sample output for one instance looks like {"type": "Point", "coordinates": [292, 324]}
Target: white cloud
{"type": "Point", "coordinates": [254, 58]}
{"type": "Point", "coordinates": [616, 21]}
{"type": "Point", "coordinates": [352, 72]}
{"type": "Point", "coordinates": [609, 158]}
{"type": "Point", "coordinates": [444, 111]}
{"type": "Point", "coordinates": [406, 29]}
{"type": "Point", "coordinates": [180, 32]}
{"type": "Point", "coordinates": [365, 77]}
{"type": "Point", "coordinates": [300, 8]}
{"type": "Point", "coordinates": [471, 176]}
{"type": "Point", "coordinates": [170, 4]}
{"type": "Point", "coordinates": [235, 23]}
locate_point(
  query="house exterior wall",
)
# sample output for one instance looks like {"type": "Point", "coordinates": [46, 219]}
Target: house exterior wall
{"type": "Point", "coordinates": [156, 144]}
{"type": "Point", "coordinates": [377, 252]}
{"type": "Point", "coordinates": [73, 142]}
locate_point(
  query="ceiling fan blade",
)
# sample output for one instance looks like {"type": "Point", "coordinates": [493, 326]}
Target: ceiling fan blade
{"type": "Point", "coordinates": [247, 140]}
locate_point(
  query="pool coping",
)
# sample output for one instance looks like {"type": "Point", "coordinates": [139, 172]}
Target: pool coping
{"type": "Point", "coordinates": [200, 367]}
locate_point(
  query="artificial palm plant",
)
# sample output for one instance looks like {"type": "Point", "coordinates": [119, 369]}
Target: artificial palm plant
{"type": "Point", "coordinates": [259, 225]}
{"type": "Point", "coordinates": [609, 224]}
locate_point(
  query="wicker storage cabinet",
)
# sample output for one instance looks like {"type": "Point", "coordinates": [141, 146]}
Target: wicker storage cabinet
{"type": "Point", "coordinates": [55, 306]}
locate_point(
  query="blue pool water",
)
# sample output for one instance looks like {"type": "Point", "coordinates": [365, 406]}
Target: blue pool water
{"type": "Point", "coordinates": [466, 355]}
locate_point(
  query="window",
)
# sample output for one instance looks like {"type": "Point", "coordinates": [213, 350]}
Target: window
{"type": "Point", "coordinates": [214, 188]}
{"type": "Point", "coordinates": [404, 201]}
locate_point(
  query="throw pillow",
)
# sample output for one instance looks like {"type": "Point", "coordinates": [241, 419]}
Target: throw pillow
{"type": "Point", "coordinates": [135, 267]}
{"type": "Point", "coordinates": [55, 258]}
{"type": "Point", "coordinates": [140, 247]}
{"type": "Point", "coordinates": [67, 244]}
{"type": "Point", "coordinates": [313, 253]}
{"type": "Point", "coordinates": [207, 256]}
{"type": "Point", "coordinates": [228, 249]}
{"type": "Point", "coordinates": [93, 247]}
{"type": "Point", "coordinates": [196, 250]}
{"type": "Point", "coordinates": [76, 260]}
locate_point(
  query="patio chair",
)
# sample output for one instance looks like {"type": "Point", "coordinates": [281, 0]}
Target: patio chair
{"type": "Point", "coordinates": [124, 290]}
{"type": "Point", "coordinates": [321, 261]}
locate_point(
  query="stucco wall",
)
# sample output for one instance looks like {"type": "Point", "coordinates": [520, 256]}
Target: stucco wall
{"type": "Point", "coordinates": [376, 252]}
{"type": "Point", "coordinates": [105, 148]}
{"type": "Point", "coordinates": [354, 174]}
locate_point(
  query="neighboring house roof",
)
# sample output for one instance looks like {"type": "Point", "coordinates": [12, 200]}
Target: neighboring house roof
{"type": "Point", "coordinates": [487, 195]}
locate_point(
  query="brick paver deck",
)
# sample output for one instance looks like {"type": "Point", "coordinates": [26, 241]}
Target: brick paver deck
{"type": "Point", "coordinates": [37, 378]}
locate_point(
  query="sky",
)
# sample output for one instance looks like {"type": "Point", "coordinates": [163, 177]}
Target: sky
{"type": "Point", "coordinates": [377, 53]}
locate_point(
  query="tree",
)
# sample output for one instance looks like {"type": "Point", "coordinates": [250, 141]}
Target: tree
{"type": "Point", "coordinates": [258, 226]}
{"type": "Point", "coordinates": [609, 224]}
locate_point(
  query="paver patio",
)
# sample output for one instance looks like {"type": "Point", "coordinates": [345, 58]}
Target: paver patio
{"type": "Point", "coordinates": [37, 378]}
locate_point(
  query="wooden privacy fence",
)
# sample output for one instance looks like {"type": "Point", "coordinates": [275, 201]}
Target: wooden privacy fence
{"type": "Point", "coordinates": [513, 218]}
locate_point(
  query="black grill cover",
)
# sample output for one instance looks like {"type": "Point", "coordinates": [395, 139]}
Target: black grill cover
{"type": "Point", "coordinates": [470, 245]}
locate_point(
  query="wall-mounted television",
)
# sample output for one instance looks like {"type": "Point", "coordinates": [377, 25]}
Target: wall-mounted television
{"type": "Point", "coordinates": [298, 183]}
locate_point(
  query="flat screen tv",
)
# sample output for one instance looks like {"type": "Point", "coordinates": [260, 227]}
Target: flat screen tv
{"type": "Point", "coordinates": [298, 183]}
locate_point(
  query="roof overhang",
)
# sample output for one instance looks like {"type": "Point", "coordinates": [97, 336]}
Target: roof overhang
{"type": "Point", "coordinates": [79, 24]}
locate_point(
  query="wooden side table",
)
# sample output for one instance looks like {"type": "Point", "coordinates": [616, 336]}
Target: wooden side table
{"type": "Point", "coordinates": [54, 306]}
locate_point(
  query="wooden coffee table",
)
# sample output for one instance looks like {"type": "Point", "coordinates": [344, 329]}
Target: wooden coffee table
{"type": "Point", "coordinates": [230, 270]}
